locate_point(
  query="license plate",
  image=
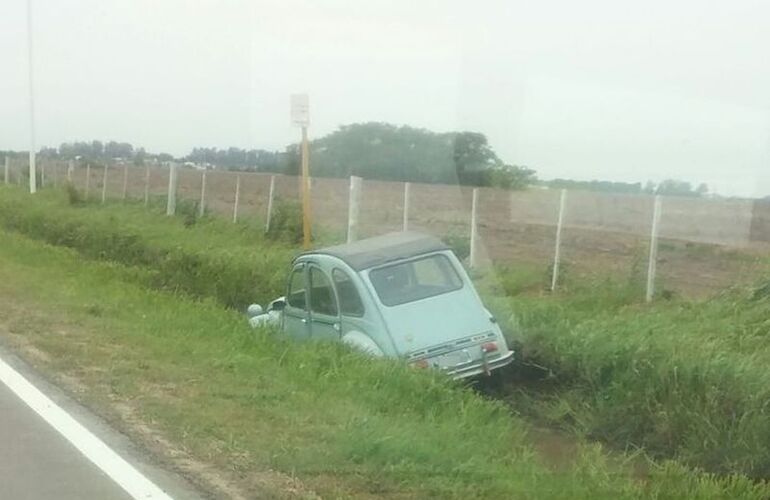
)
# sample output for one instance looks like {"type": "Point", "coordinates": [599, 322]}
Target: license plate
{"type": "Point", "coordinates": [456, 358]}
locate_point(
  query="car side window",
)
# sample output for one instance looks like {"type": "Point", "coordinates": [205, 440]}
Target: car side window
{"type": "Point", "coordinates": [350, 300]}
{"type": "Point", "coordinates": [322, 300]}
{"type": "Point", "coordinates": [296, 295]}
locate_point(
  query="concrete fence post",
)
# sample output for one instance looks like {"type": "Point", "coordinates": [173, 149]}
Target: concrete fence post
{"type": "Point", "coordinates": [125, 183]}
{"type": "Point", "coordinates": [7, 169]}
{"type": "Point", "coordinates": [652, 265]}
{"type": "Point", "coordinates": [354, 200]}
{"type": "Point", "coordinates": [202, 205]}
{"type": "Point", "coordinates": [146, 185]}
{"type": "Point", "coordinates": [172, 183]}
{"type": "Point", "coordinates": [557, 245]}
{"type": "Point", "coordinates": [473, 257]}
{"type": "Point", "coordinates": [70, 169]}
{"type": "Point", "coordinates": [88, 179]}
{"type": "Point", "coordinates": [270, 195]}
{"type": "Point", "coordinates": [237, 198]}
{"type": "Point", "coordinates": [407, 186]}
{"type": "Point", "coordinates": [104, 183]}
{"type": "Point", "coordinates": [55, 174]}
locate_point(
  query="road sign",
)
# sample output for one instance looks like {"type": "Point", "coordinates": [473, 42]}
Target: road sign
{"type": "Point", "coordinates": [300, 110]}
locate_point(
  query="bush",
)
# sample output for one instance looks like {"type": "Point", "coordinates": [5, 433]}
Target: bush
{"type": "Point", "coordinates": [460, 244]}
{"type": "Point", "coordinates": [286, 221]}
{"type": "Point", "coordinates": [73, 195]}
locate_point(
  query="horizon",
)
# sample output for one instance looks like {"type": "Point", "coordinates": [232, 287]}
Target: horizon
{"type": "Point", "coordinates": [184, 157]}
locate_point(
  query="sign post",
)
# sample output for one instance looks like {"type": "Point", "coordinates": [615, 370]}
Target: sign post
{"type": "Point", "coordinates": [300, 116]}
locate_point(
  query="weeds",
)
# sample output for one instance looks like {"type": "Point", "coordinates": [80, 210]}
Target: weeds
{"type": "Point", "coordinates": [346, 425]}
{"type": "Point", "coordinates": [683, 380]}
{"type": "Point", "coordinates": [286, 222]}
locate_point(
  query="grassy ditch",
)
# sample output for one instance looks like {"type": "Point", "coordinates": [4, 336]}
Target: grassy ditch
{"type": "Point", "coordinates": [679, 379]}
{"type": "Point", "coordinates": [235, 264]}
{"type": "Point", "coordinates": [248, 402]}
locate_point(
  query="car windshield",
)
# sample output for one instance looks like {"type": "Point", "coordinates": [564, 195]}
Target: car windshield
{"type": "Point", "coordinates": [415, 280]}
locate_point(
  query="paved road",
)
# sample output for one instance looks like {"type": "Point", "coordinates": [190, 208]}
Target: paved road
{"type": "Point", "coordinates": [38, 463]}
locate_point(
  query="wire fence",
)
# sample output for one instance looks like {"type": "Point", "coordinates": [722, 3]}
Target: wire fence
{"type": "Point", "coordinates": [698, 246]}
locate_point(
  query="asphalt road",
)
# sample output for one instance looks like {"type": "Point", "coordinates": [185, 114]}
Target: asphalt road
{"type": "Point", "coordinates": [38, 463]}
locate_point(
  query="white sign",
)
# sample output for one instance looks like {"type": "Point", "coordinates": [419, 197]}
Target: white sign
{"type": "Point", "coordinates": [300, 110]}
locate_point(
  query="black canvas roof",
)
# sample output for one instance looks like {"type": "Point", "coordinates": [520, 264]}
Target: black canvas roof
{"type": "Point", "coordinates": [370, 252]}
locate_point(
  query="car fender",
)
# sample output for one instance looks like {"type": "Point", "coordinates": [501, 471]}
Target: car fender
{"type": "Point", "coordinates": [362, 342]}
{"type": "Point", "coordinates": [270, 318]}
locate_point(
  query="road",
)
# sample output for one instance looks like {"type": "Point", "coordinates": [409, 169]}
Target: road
{"type": "Point", "coordinates": [43, 455]}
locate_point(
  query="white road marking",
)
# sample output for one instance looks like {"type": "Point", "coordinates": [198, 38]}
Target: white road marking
{"type": "Point", "coordinates": [93, 448]}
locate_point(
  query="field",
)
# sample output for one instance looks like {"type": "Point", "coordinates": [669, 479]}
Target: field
{"type": "Point", "coordinates": [705, 246]}
{"type": "Point", "coordinates": [138, 308]}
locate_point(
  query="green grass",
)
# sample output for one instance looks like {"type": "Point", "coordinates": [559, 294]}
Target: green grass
{"type": "Point", "coordinates": [344, 424]}
{"type": "Point", "coordinates": [662, 377]}
{"type": "Point", "coordinates": [679, 379]}
{"type": "Point", "coordinates": [234, 264]}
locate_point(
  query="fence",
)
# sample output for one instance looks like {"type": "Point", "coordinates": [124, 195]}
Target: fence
{"type": "Point", "coordinates": [689, 246]}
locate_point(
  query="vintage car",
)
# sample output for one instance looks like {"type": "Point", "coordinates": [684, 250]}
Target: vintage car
{"type": "Point", "coordinates": [403, 295]}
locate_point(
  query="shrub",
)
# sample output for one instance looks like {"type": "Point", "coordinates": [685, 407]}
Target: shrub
{"type": "Point", "coordinates": [460, 244]}
{"type": "Point", "coordinates": [286, 221]}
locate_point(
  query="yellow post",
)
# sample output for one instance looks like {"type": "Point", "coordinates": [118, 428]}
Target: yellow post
{"type": "Point", "coordinates": [306, 219]}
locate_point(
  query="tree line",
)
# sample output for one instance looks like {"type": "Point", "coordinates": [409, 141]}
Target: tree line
{"type": "Point", "coordinates": [670, 187]}
{"type": "Point", "coordinates": [373, 150]}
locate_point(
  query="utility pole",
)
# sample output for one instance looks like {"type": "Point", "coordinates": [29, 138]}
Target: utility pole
{"type": "Point", "coordinates": [32, 148]}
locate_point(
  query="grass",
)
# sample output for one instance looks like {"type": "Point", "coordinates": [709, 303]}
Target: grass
{"type": "Point", "coordinates": [678, 379]}
{"type": "Point", "coordinates": [246, 401]}
{"type": "Point", "coordinates": [610, 377]}
{"type": "Point", "coordinates": [235, 264]}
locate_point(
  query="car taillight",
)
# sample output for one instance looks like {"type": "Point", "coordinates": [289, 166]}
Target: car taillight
{"type": "Point", "coordinates": [489, 347]}
{"type": "Point", "coordinates": [420, 363]}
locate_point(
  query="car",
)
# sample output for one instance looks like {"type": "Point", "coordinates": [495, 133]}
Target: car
{"type": "Point", "coordinates": [401, 295]}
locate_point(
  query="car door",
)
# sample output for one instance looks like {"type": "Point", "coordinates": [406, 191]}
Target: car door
{"type": "Point", "coordinates": [296, 313]}
{"type": "Point", "coordinates": [324, 312]}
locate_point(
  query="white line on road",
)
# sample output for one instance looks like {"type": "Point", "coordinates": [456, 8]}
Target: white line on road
{"type": "Point", "coordinates": [93, 448]}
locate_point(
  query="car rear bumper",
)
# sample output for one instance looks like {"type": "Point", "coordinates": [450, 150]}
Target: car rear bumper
{"type": "Point", "coordinates": [480, 368]}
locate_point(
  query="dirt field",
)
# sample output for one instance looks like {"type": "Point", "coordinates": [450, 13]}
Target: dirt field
{"type": "Point", "coordinates": [705, 245]}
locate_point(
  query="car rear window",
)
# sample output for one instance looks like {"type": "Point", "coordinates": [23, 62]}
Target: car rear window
{"type": "Point", "coordinates": [415, 279]}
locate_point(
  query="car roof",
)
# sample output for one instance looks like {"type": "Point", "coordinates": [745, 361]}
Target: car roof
{"type": "Point", "coordinates": [371, 252]}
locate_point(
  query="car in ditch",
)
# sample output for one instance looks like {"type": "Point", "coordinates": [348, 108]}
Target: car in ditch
{"type": "Point", "coordinates": [403, 295]}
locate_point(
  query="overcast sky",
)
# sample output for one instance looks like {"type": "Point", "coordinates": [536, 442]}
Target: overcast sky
{"type": "Point", "coordinates": [611, 90]}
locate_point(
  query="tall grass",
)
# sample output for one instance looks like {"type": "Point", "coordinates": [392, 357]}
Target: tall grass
{"type": "Point", "coordinates": [684, 380]}
{"type": "Point", "coordinates": [346, 425]}
{"type": "Point", "coordinates": [236, 264]}
{"type": "Point", "coordinates": [679, 379]}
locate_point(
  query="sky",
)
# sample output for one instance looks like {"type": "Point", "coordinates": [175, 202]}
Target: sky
{"type": "Point", "coordinates": [623, 91]}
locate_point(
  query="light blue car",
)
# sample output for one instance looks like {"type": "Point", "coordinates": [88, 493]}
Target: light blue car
{"type": "Point", "coordinates": [402, 295]}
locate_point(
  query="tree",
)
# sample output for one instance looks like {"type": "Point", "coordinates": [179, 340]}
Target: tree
{"type": "Point", "coordinates": [139, 156]}
{"type": "Point", "coordinates": [118, 150]}
{"type": "Point", "coordinates": [473, 157]}
{"type": "Point", "coordinates": [511, 177]}
{"type": "Point", "coordinates": [388, 152]}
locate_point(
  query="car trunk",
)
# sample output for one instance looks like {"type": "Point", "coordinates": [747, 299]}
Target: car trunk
{"type": "Point", "coordinates": [436, 323]}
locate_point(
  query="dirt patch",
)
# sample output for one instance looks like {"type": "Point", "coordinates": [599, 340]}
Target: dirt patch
{"type": "Point", "coordinates": [604, 233]}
